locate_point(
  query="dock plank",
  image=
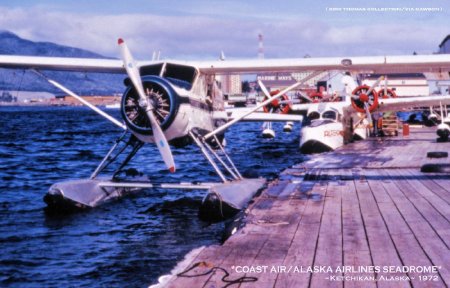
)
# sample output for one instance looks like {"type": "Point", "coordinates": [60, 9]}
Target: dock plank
{"type": "Point", "coordinates": [428, 211]}
{"type": "Point", "coordinates": [207, 255]}
{"type": "Point", "coordinates": [434, 199]}
{"type": "Point", "coordinates": [329, 246]}
{"type": "Point", "coordinates": [428, 181]}
{"type": "Point", "coordinates": [270, 258]}
{"type": "Point", "coordinates": [356, 251]}
{"type": "Point", "coordinates": [243, 252]}
{"type": "Point", "coordinates": [303, 247]}
{"type": "Point", "coordinates": [381, 246]}
{"type": "Point", "coordinates": [407, 246]}
{"type": "Point", "coordinates": [427, 238]}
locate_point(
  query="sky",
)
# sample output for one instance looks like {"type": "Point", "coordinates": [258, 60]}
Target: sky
{"type": "Point", "coordinates": [201, 29]}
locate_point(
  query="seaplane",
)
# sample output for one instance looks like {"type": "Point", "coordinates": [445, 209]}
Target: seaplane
{"type": "Point", "coordinates": [176, 103]}
{"type": "Point", "coordinates": [165, 103]}
{"type": "Point", "coordinates": [332, 124]}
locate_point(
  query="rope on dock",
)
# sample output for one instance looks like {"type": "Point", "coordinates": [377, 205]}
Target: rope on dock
{"type": "Point", "coordinates": [243, 279]}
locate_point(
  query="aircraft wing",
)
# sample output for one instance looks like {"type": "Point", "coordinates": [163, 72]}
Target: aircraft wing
{"type": "Point", "coordinates": [390, 104]}
{"type": "Point", "coordinates": [437, 63]}
{"type": "Point", "coordinates": [62, 63]}
{"type": "Point", "coordinates": [399, 103]}
{"type": "Point", "coordinates": [261, 116]}
{"type": "Point", "coordinates": [304, 107]}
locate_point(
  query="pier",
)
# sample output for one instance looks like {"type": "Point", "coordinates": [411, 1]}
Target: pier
{"type": "Point", "coordinates": [361, 216]}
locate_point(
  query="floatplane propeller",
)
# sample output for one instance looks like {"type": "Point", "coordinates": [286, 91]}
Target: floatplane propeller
{"type": "Point", "coordinates": [146, 105]}
{"type": "Point", "coordinates": [365, 99]}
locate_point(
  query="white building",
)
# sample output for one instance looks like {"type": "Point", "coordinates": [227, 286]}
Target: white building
{"type": "Point", "coordinates": [231, 84]}
{"type": "Point", "coordinates": [278, 81]}
{"type": "Point", "coordinates": [414, 84]}
{"type": "Point", "coordinates": [443, 79]}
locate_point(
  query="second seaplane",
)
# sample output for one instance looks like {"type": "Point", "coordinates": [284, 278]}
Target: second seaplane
{"type": "Point", "coordinates": [332, 124]}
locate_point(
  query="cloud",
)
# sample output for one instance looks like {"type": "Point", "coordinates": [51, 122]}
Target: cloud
{"type": "Point", "coordinates": [189, 36]}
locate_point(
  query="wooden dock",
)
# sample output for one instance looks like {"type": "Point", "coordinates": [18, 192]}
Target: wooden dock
{"type": "Point", "coordinates": [364, 211]}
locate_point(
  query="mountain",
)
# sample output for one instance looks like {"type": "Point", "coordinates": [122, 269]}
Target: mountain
{"type": "Point", "coordinates": [81, 83]}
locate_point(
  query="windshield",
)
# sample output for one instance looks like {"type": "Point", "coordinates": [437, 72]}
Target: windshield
{"type": "Point", "coordinates": [329, 115]}
{"type": "Point", "coordinates": [313, 115]}
{"type": "Point", "coordinates": [180, 75]}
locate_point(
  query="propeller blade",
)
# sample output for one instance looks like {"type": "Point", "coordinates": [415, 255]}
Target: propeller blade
{"type": "Point", "coordinates": [442, 112]}
{"type": "Point", "coordinates": [144, 102]}
{"type": "Point", "coordinates": [369, 117]}
{"type": "Point", "coordinates": [358, 122]}
{"type": "Point", "coordinates": [375, 85]}
{"type": "Point", "coordinates": [133, 72]}
{"type": "Point", "coordinates": [161, 142]}
{"type": "Point", "coordinates": [264, 89]}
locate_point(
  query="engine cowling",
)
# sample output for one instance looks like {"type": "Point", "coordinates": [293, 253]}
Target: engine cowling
{"type": "Point", "coordinates": [163, 98]}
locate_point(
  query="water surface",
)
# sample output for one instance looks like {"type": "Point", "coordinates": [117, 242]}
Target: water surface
{"type": "Point", "coordinates": [129, 242]}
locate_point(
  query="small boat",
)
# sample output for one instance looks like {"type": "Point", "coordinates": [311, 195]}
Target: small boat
{"type": "Point", "coordinates": [113, 106]}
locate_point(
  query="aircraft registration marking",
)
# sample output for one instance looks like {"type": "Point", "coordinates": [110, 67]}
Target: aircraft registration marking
{"type": "Point", "coordinates": [333, 133]}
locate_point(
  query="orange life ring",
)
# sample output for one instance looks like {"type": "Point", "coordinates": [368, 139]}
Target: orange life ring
{"type": "Point", "coordinates": [275, 106]}
{"type": "Point", "coordinates": [390, 94]}
{"type": "Point", "coordinates": [361, 93]}
{"type": "Point", "coordinates": [316, 97]}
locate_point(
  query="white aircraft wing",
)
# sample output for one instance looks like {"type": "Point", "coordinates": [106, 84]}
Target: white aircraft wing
{"type": "Point", "coordinates": [62, 63]}
{"type": "Point", "coordinates": [438, 63]}
{"type": "Point", "coordinates": [376, 64]}
{"type": "Point", "coordinates": [390, 104]}
{"type": "Point", "coordinates": [261, 116]}
{"type": "Point", "coordinates": [399, 103]}
{"type": "Point", "coordinates": [304, 107]}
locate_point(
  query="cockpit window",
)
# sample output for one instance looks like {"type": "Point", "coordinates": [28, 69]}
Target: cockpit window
{"type": "Point", "coordinates": [329, 115]}
{"type": "Point", "coordinates": [313, 115]}
{"type": "Point", "coordinates": [151, 69]}
{"type": "Point", "coordinates": [180, 75]}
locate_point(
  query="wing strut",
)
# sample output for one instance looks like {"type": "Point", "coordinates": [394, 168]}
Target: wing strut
{"type": "Point", "coordinates": [262, 104]}
{"type": "Point", "coordinates": [79, 98]}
